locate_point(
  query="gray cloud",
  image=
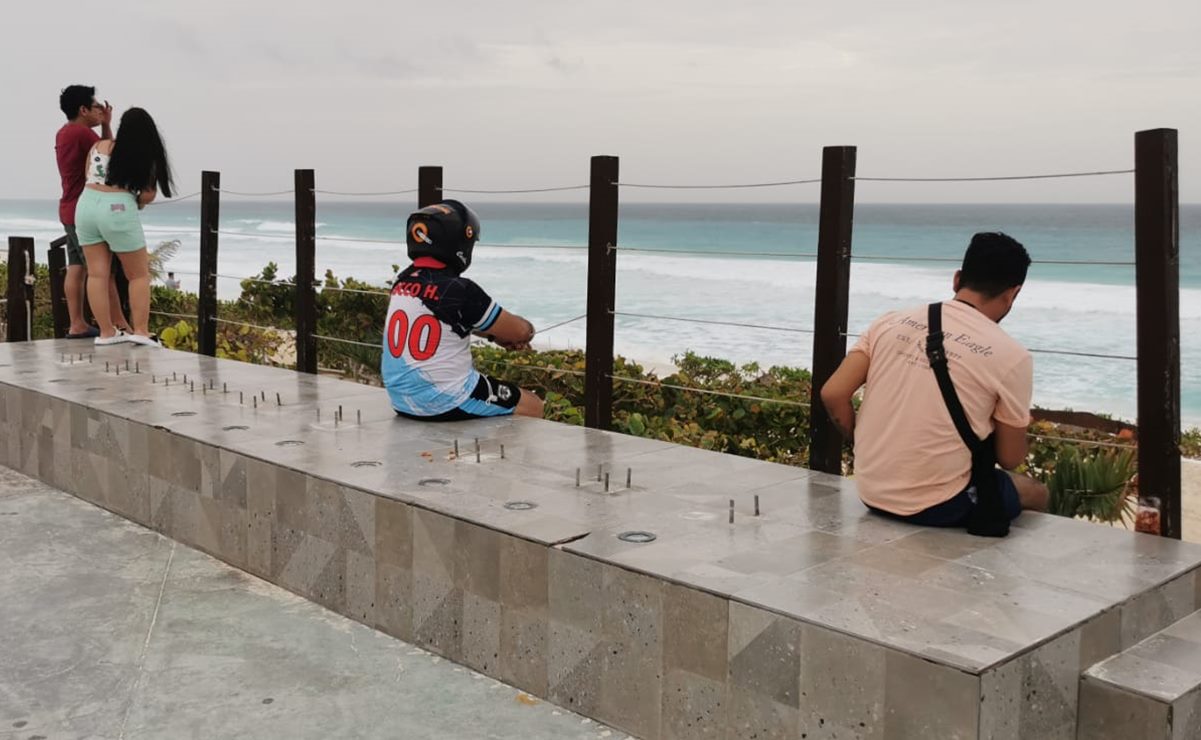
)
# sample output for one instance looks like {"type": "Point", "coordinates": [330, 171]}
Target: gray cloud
{"type": "Point", "coordinates": [521, 93]}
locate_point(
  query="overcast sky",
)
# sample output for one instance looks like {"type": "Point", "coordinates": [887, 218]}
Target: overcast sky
{"type": "Point", "coordinates": [521, 93]}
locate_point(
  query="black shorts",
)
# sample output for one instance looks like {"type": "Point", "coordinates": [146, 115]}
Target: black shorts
{"type": "Point", "coordinates": [491, 397]}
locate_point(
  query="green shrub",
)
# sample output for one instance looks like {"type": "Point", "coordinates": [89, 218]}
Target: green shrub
{"type": "Point", "coordinates": [1093, 485]}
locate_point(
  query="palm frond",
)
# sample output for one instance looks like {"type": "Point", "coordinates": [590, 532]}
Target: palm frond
{"type": "Point", "coordinates": [159, 256]}
{"type": "Point", "coordinates": [1095, 486]}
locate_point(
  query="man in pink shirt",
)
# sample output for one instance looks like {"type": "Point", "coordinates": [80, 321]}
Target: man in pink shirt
{"type": "Point", "coordinates": [71, 146]}
{"type": "Point", "coordinates": [910, 461]}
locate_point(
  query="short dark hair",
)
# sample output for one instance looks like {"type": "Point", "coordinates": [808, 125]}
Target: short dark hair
{"type": "Point", "coordinates": [993, 263]}
{"type": "Point", "coordinates": [73, 97]}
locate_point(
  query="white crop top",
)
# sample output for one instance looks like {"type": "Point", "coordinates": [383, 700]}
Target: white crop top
{"type": "Point", "coordinates": [97, 171]}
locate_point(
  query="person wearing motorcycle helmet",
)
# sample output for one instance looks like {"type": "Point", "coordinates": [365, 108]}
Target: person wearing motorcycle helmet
{"type": "Point", "coordinates": [433, 310]}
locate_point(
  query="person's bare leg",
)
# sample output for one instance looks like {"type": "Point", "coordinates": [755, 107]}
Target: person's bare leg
{"type": "Point", "coordinates": [74, 285]}
{"type": "Point", "coordinates": [98, 281]}
{"type": "Point", "coordinates": [114, 306]}
{"type": "Point", "coordinates": [1033, 495]}
{"type": "Point", "coordinates": [529, 405]}
{"type": "Point", "coordinates": [137, 270]}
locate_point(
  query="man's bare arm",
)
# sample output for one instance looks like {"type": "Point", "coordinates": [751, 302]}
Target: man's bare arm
{"type": "Point", "coordinates": [106, 122]}
{"type": "Point", "coordinates": [510, 331]}
{"type": "Point", "coordinates": [1011, 445]}
{"type": "Point", "coordinates": [838, 391]}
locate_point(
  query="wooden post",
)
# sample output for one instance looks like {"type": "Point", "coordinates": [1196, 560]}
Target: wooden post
{"type": "Point", "coordinates": [602, 288]}
{"type": "Point", "coordinates": [831, 298]}
{"type": "Point", "coordinates": [306, 258]}
{"type": "Point", "coordinates": [56, 259]}
{"type": "Point", "coordinates": [20, 290]}
{"type": "Point", "coordinates": [206, 304]}
{"type": "Point", "coordinates": [429, 186]}
{"type": "Point", "coordinates": [1157, 280]}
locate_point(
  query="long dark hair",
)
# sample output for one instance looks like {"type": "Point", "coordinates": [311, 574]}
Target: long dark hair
{"type": "Point", "coordinates": [139, 160]}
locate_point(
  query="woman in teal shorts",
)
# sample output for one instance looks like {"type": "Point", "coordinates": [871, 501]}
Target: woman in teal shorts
{"type": "Point", "coordinates": [122, 177]}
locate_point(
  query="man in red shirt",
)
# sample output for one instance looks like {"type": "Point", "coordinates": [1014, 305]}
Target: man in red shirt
{"type": "Point", "coordinates": [71, 146]}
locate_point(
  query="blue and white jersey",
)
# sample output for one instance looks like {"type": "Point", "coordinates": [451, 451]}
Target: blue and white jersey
{"type": "Point", "coordinates": [426, 366]}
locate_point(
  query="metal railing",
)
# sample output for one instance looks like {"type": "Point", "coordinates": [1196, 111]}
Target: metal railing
{"type": "Point", "coordinates": [1158, 321]}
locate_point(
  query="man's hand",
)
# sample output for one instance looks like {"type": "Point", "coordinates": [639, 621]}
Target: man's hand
{"type": "Point", "coordinates": [106, 121]}
{"type": "Point", "coordinates": [507, 345]}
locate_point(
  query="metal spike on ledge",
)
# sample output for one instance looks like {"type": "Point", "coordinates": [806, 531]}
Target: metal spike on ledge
{"type": "Point", "coordinates": [358, 416]}
{"type": "Point", "coordinates": [577, 477]}
{"type": "Point", "coordinates": [731, 511]}
{"type": "Point", "coordinates": [240, 397]}
{"type": "Point", "coordinates": [256, 401]}
{"type": "Point", "coordinates": [756, 504]}
{"type": "Point", "coordinates": [599, 470]}
{"type": "Point", "coordinates": [225, 387]}
{"type": "Point", "coordinates": [629, 476]}
{"type": "Point", "coordinates": [606, 482]}
{"type": "Point", "coordinates": [277, 401]}
{"type": "Point", "coordinates": [456, 449]}
{"type": "Point", "coordinates": [502, 452]}
{"type": "Point", "coordinates": [477, 449]}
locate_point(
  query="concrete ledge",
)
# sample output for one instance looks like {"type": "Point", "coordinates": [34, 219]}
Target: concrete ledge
{"type": "Point", "coordinates": [815, 617]}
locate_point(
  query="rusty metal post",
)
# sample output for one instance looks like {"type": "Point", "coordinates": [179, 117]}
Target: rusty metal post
{"type": "Point", "coordinates": [206, 304]}
{"type": "Point", "coordinates": [429, 186]}
{"type": "Point", "coordinates": [602, 288]}
{"type": "Point", "coordinates": [306, 258]}
{"type": "Point", "coordinates": [21, 270]}
{"type": "Point", "coordinates": [56, 260]}
{"type": "Point", "coordinates": [831, 299]}
{"type": "Point", "coordinates": [1157, 280]}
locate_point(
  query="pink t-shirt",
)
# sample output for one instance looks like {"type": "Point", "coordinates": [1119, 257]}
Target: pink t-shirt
{"type": "Point", "coordinates": [908, 456]}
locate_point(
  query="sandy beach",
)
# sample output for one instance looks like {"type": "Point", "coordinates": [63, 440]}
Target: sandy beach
{"type": "Point", "coordinates": [1190, 495]}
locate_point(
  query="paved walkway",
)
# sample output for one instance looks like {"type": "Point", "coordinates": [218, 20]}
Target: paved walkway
{"type": "Point", "coordinates": [108, 630]}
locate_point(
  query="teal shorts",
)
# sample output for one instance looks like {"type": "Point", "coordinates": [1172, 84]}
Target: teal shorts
{"type": "Point", "coordinates": [111, 218]}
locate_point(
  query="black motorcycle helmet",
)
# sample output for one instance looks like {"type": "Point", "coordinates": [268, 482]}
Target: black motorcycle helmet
{"type": "Point", "coordinates": [446, 231]}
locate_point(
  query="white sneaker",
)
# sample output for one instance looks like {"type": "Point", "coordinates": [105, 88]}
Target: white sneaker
{"type": "Point", "coordinates": [119, 338]}
{"type": "Point", "coordinates": [144, 341]}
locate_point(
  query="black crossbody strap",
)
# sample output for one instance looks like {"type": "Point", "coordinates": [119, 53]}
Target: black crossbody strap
{"type": "Point", "coordinates": [937, 355]}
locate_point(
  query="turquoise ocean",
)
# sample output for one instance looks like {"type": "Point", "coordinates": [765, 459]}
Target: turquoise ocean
{"type": "Point", "coordinates": [749, 264]}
